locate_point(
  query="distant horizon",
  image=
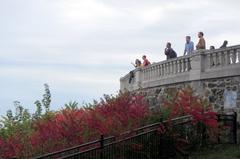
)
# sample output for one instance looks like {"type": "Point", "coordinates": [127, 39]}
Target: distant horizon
{"type": "Point", "coordinates": [82, 48]}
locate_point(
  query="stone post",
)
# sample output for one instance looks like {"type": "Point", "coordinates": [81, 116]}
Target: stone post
{"type": "Point", "coordinates": [198, 62]}
{"type": "Point", "coordinates": [138, 78]}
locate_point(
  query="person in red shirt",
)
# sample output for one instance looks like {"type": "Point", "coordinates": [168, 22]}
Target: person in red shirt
{"type": "Point", "coordinates": [145, 61]}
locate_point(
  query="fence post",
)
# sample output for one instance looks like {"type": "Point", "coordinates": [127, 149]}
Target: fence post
{"type": "Point", "coordinates": [218, 136]}
{"type": "Point", "coordinates": [235, 128]}
{"type": "Point", "coordinates": [101, 146]}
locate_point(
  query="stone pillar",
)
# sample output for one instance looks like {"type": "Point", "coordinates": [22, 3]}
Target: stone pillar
{"type": "Point", "coordinates": [122, 84]}
{"type": "Point", "coordinates": [138, 79]}
{"type": "Point", "coordinates": [198, 61]}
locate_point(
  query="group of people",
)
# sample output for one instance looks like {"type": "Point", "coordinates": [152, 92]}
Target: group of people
{"type": "Point", "coordinates": [170, 53]}
{"type": "Point", "coordinates": [189, 48]}
{"type": "Point", "coordinates": [139, 64]}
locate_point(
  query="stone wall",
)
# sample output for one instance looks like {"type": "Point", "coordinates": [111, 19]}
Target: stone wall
{"type": "Point", "coordinates": [201, 65]}
{"type": "Point", "coordinates": [210, 89]}
{"type": "Point", "coordinates": [209, 72]}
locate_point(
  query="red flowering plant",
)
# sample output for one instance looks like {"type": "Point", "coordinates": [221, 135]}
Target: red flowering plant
{"type": "Point", "coordinates": [70, 127]}
{"type": "Point", "coordinates": [204, 120]}
{"type": "Point", "coordinates": [26, 135]}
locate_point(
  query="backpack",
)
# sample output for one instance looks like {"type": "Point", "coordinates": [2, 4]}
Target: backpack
{"type": "Point", "coordinates": [173, 54]}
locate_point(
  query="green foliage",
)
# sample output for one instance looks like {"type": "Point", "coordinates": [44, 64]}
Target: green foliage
{"type": "Point", "coordinates": [18, 123]}
{"type": "Point", "coordinates": [46, 98]}
{"type": "Point", "coordinates": [21, 120]}
{"type": "Point", "coordinates": [72, 105]}
{"type": "Point", "coordinates": [38, 111]}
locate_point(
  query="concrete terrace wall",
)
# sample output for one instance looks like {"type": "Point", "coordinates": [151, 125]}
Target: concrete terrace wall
{"type": "Point", "coordinates": [209, 72]}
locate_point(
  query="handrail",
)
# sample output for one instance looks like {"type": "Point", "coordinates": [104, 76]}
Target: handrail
{"type": "Point", "coordinates": [112, 137]}
{"type": "Point", "coordinates": [72, 148]}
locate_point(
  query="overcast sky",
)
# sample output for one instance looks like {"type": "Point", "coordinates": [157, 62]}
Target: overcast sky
{"type": "Point", "coordinates": [82, 47]}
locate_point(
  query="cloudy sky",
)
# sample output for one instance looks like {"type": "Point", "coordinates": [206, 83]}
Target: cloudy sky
{"type": "Point", "coordinates": [82, 47]}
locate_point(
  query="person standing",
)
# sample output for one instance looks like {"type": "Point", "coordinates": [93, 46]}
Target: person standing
{"type": "Point", "coordinates": [189, 46]}
{"type": "Point", "coordinates": [169, 52]}
{"type": "Point", "coordinates": [145, 61]}
{"type": "Point", "coordinates": [201, 43]}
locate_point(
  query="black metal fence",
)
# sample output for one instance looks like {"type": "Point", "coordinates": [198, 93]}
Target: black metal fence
{"type": "Point", "coordinates": [141, 143]}
{"type": "Point", "coordinates": [148, 142]}
{"type": "Point", "coordinates": [227, 128]}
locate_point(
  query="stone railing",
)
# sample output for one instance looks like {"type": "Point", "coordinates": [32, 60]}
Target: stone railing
{"type": "Point", "coordinates": [202, 64]}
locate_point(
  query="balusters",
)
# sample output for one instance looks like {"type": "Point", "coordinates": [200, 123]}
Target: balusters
{"type": "Point", "coordinates": [188, 64]}
{"type": "Point", "coordinates": [233, 56]}
{"type": "Point", "coordinates": [177, 63]}
{"type": "Point", "coordinates": [214, 62]}
{"type": "Point", "coordinates": [165, 70]}
{"type": "Point", "coordinates": [238, 54]}
{"type": "Point", "coordinates": [162, 68]}
{"type": "Point", "coordinates": [143, 71]}
{"type": "Point", "coordinates": [170, 67]}
{"type": "Point", "coordinates": [227, 58]}
{"type": "Point", "coordinates": [173, 67]}
{"type": "Point", "coordinates": [151, 73]}
{"type": "Point", "coordinates": [183, 65]}
{"type": "Point", "coordinates": [157, 71]}
{"type": "Point", "coordinates": [209, 60]}
{"type": "Point", "coordinates": [217, 58]}
{"type": "Point", "coordinates": [176, 67]}
{"type": "Point", "coordinates": [146, 74]}
{"type": "Point", "coordinates": [180, 66]}
{"type": "Point", "coordinates": [221, 58]}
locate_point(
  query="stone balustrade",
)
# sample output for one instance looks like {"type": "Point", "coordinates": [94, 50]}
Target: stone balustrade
{"type": "Point", "coordinates": [200, 65]}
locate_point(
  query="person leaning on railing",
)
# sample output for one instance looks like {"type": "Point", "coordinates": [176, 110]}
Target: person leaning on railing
{"type": "Point", "coordinates": [189, 46]}
{"type": "Point", "coordinates": [138, 64]}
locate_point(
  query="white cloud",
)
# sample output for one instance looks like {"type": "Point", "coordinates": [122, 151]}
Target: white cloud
{"type": "Point", "coordinates": [86, 11]}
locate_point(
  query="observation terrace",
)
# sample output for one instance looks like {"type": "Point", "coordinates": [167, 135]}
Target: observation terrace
{"type": "Point", "coordinates": [200, 65]}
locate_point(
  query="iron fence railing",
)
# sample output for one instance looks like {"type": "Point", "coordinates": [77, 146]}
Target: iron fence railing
{"type": "Point", "coordinates": [227, 128]}
{"type": "Point", "coordinates": [147, 142]}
